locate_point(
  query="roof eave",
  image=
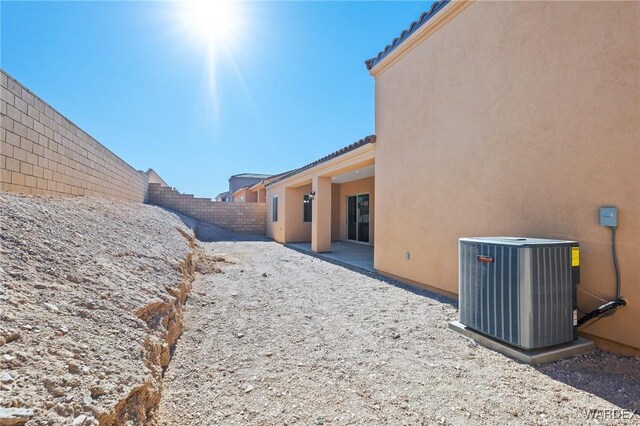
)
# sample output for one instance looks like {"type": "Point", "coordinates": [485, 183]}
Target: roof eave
{"type": "Point", "coordinates": [417, 27]}
{"type": "Point", "coordinates": [371, 139]}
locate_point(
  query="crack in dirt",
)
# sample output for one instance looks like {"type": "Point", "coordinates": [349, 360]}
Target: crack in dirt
{"type": "Point", "coordinates": [166, 317]}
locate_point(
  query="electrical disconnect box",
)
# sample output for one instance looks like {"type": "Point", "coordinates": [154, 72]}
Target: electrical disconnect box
{"type": "Point", "coordinates": [609, 216]}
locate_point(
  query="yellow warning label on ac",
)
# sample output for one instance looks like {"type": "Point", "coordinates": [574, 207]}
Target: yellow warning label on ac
{"type": "Point", "coordinates": [575, 256]}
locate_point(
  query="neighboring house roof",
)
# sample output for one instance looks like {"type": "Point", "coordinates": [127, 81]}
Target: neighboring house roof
{"type": "Point", "coordinates": [222, 194]}
{"type": "Point", "coordinates": [244, 188]}
{"type": "Point", "coordinates": [267, 181]}
{"type": "Point", "coordinates": [435, 7]}
{"type": "Point", "coordinates": [364, 141]}
{"type": "Point", "coordinates": [250, 175]}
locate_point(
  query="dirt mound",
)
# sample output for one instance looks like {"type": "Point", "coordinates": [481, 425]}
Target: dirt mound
{"type": "Point", "coordinates": [91, 295]}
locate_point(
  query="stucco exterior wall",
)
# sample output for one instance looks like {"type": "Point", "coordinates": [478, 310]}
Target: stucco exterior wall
{"type": "Point", "coordinates": [290, 209]}
{"type": "Point", "coordinates": [245, 196]}
{"type": "Point", "coordinates": [357, 187]}
{"type": "Point", "coordinates": [335, 212]}
{"type": "Point", "coordinates": [521, 119]}
{"type": "Point", "coordinates": [262, 195]}
{"type": "Point", "coordinates": [275, 230]}
{"type": "Point", "coordinates": [297, 230]}
{"type": "Point", "coordinates": [44, 153]}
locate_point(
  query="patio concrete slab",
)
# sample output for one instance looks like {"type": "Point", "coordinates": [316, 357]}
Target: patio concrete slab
{"type": "Point", "coordinates": [351, 254]}
{"type": "Point", "coordinates": [577, 347]}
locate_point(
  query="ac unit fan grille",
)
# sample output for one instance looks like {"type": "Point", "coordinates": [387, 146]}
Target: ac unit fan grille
{"type": "Point", "coordinates": [551, 296]}
{"type": "Point", "coordinates": [489, 301]}
{"type": "Point", "coordinates": [521, 295]}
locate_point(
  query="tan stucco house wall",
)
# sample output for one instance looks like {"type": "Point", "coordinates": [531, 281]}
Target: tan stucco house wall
{"type": "Point", "coordinates": [245, 195]}
{"type": "Point", "coordinates": [297, 229]}
{"type": "Point", "coordinates": [335, 211]}
{"type": "Point", "coordinates": [513, 118]}
{"type": "Point", "coordinates": [275, 229]}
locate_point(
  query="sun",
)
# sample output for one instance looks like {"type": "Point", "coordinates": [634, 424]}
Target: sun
{"type": "Point", "coordinates": [216, 31]}
{"type": "Point", "coordinates": [215, 22]}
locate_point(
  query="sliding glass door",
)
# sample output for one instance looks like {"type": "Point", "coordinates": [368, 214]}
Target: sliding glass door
{"type": "Point", "coordinates": [358, 218]}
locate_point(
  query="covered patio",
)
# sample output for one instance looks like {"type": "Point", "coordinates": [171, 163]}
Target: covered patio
{"type": "Point", "coordinates": [328, 206]}
{"type": "Point", "coordinates": [349, 254]}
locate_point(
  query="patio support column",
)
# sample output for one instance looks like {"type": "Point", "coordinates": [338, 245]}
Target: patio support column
{"type": "Point", "coordinates": [321, 214]}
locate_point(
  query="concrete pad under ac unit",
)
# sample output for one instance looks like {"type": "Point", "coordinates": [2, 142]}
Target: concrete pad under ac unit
{"type": "Point", "coordinates": [538, 356]}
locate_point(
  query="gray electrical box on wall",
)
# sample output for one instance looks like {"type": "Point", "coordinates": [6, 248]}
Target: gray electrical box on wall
{"type": "Point", "coordinates": [609, 216]}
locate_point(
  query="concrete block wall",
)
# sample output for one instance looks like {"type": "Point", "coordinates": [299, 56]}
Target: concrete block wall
{"type": "Point", "coordinates": [154, 177]}
{"type": "Point", "coordinates": [44, 153]}
{"type": "Point", "coordinates": [239, 217]}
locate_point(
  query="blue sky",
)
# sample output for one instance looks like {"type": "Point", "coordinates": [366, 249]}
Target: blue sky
{"type": "Point", "coordinates": [290, 89]}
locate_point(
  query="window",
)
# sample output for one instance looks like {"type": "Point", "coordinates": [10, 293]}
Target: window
{"type": "Point", "coordinates": [306, 216]}
{"type": "Point", "coordinates": [274, 208]}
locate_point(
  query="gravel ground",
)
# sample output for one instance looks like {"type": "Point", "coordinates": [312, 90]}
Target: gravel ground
{"type": "Point", "coordinates": [283, 338]}
{"type": "Point", "coordinates": [89, 305]}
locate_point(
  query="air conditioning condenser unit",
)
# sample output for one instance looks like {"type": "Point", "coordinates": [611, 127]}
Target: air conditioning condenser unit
{"type": "Point", "coordinates": [521, 291]}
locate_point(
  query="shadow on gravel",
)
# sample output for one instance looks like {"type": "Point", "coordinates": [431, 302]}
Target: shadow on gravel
{"type": "Point", "coordinates": [611, 377]}
{"type": "Point", "coordinates": [415, 290]}
{"type": "Point", "coordinates": [207, 232]}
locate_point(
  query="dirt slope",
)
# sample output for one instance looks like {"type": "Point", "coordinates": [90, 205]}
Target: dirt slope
{"type": "Point", "coordinates": [91, 295]}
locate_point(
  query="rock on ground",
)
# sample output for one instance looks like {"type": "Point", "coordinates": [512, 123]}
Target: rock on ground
{"type": "Point", "coordinates": [285, 338]}
{"type": "Point", "coordinates": [14, 416]}
{"type": "Point", "coordinates": [90, 303]}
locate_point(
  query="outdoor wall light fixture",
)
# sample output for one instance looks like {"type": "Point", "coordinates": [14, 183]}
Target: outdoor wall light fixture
{"type": "Point", "coordinates": [312, 195]}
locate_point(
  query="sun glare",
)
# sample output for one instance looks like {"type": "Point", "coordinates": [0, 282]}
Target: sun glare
{"type": "Point", "coordinates": [215, 21]}
{"type": "Point", "coordinates": [218, 27]}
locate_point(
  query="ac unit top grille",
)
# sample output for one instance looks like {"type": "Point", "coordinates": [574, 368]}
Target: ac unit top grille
{"type": "Point", "coordinates": [519, 241]}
